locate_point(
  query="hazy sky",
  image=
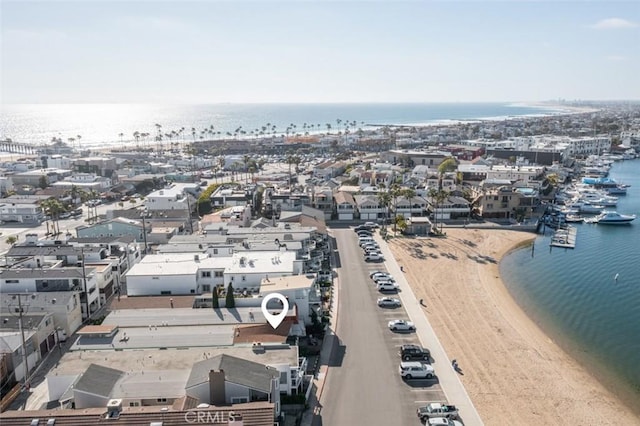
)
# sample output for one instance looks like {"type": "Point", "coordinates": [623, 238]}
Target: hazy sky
{"type": "Point", "coordinates": [318, 51]}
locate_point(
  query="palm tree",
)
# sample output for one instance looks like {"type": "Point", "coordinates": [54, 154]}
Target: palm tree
{"type": "Point", "coordinates": [395, 191]}
{"type": "Point", "coordinates": [245, 160]}
{"type": "Point", "coordinates": [409, 194]}
{"type": "Point", "coordinates": [384, 198]}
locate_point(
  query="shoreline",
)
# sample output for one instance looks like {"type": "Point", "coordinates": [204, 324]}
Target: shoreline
{"type": "Point", "coordinates": [480, 324]}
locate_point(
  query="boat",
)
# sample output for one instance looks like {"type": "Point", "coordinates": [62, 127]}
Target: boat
{"type": "Point", "coordinates": [573, 218]}
{"type": "Point", "coordinates": [613, 218]}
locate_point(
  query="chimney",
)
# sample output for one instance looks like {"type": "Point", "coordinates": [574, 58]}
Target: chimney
{"type": "Point", "coordinates": [216, 388]}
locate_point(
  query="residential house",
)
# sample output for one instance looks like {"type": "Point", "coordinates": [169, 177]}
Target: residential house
{"type": "Point", "coordinates": [346, 207]}
{"type": "Point", "coordinates": [369, 207]}
{"type": "Point", "coordinates": [22, 209]}
{"type": "Point", "coordinates": [415, 206]}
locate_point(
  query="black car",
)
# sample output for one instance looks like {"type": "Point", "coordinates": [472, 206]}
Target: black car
{"type": "Point", "coordinates": [362, 228]}
{"type": "Point", "coordinates": [414, 352]}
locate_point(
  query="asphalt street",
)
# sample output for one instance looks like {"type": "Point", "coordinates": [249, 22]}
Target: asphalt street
{"type": "Point", "coordinates": [363, 386]}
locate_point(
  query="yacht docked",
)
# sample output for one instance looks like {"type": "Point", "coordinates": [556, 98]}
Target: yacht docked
{"type": "Point", "coordinates": [612, 218]}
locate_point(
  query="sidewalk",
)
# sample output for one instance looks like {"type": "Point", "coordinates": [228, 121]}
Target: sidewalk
{"type": "Point", "coordinates": [448, 378]}
{"type": "Point", "coordinates": [330, 339]}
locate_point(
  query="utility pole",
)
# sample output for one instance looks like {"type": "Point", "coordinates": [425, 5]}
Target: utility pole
{"type": "Point", "coordinates": [25, 360]}
{"type": "Point", "coordinates": [84, 282]}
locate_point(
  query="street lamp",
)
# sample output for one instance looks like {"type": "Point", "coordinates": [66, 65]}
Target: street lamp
{"type": "Point", "coordinates": [25, 360]}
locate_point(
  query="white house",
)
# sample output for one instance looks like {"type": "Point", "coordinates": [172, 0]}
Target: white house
{"type": "Point", "coordinates": [248, 269]}
{"type": "Point", "coordinates": [170, 198]}
{"type": "Point", "coordinates": [369, 207]}
{"type": "Point", "coordinates": [158, 274]}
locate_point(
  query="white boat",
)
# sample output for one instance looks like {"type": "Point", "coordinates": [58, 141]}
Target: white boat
{"type": "Point", "coordinates": [573, 218]}
{"type": "Point", "coordinates": [589, 208]}
{"type": "Point", "coordinates": [613, 218]}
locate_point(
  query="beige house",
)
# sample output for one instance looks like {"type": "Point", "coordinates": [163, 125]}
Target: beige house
{"type": "Point", "coordinates": [345, 205]}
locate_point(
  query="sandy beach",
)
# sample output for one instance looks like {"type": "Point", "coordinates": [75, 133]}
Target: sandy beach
{"type": "Point", "coordinates": [514, 373]}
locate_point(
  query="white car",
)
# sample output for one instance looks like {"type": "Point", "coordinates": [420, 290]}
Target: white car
{"type": "Point", "coordinates": [389, 302]}
{"type": "Point", "coordinates": [388, 286]}
{"type": "Point", "coordinates": [441, 421]}
{"type": "Point", "coordinates": [371, 225]}
{"type": "Point", "coordinates": [372, 250]}
{"type": "Point", "coordinates": [383, 278]}
{"type": "Point", "coordinates": [416, 370]}
{"type": "Point", "coordinates": [374, 273]}
{"type": "Point", "coordinates": [401, 325]}
{"type": "Point", "coordinates": [373, 257]}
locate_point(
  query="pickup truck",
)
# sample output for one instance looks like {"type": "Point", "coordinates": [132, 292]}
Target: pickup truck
{"type": "Point", "coordinates": [437, 409]}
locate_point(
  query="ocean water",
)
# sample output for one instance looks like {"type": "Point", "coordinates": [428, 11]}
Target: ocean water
{"type": "Point", "coordinates": [101, 124]}
{"type": "Point", "coordinates": [574, 297]}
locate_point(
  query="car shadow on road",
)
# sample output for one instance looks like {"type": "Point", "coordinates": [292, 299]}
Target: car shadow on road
{"type": "Point", "coordinates": [422, 383]}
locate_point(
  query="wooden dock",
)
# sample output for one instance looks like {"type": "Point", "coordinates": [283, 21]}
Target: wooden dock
{"type": "Point", "coordinates": [565, 237]}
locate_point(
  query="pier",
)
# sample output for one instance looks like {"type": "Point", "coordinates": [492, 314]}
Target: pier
{"type": "Point", "coordinates": [9, 146]}
{"type": "Point", "coordinates": [565, 237]}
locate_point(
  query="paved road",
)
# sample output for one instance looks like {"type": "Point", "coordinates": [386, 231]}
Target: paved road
{"type": "Point", "coordinates": [363, 386]}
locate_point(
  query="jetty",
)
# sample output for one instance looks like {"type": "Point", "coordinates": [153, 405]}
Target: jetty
{"type": "Point", "coordinates": [565, 237]}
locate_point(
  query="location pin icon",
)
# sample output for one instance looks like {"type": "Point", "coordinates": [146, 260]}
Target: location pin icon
{"type": "Point", "coordinates": [275, 320]}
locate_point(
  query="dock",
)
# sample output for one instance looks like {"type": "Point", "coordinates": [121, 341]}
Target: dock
{"type": "Point", "coordinates": [565, 237]}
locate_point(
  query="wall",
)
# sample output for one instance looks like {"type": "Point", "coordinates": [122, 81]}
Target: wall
{"type": "Point", "coordinates": [57, 385]}
{"type": "Point", "coordinates": [147, 286]}
{"type": "Point", "coordinates": [87, 400]}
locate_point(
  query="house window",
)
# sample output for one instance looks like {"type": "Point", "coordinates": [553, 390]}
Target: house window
{"type": "Point", "coordinates": [218, 274]}
{"type": "Point", "coordinates": [206, 274]}
{"type": "Point", "coordinates": [215, 251]}
{"type": "Point", "coordinates": [244, 278]}
{"type": "Point", "coordinates": [161, 400]}
{"type": "Point", "coordinates": [134, 404]}
{"type": "Point", "coordinates": [239, 400]}
{"type": "Point", "coordinates": [283, 378]}
{"type": "Point", "coordinates": [12, 281]}
{"type": "Point", "coordinates": [206, 288]}
{"type": "Point", "coordinates": [155, 278]}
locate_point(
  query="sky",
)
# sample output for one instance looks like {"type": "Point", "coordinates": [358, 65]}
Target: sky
{"type": "Point", "coordinates": [318, 51]}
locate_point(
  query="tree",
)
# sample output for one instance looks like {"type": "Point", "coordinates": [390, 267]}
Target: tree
{"type": "Point", "coordinates": [409, 194]}
{"type": "Point", "coordinates": [395, 191]}
{"type": "Point", "coordinates": [11, 240]}
{"type": "Point", "coordinates": [230, 300]}
{"type": "Point", "coordinates": [448, 165]}
{"type": "Point", "coordinates": [43, 182]}
{"type": "Point", "coordinates": [384, 198]}
{"type": "Point", "coordinates": [215, 302]}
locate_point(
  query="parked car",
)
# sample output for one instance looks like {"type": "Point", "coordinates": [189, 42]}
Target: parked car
{"type": "Point", "coordinates": [383, 278]}
{"type": "Point", "coordinates": [442, 421]}
{"type": "Point", "coordinates": [371, 225]}
{"type": "Point", "coordinates": [371, 250]}
{"type": "Point", "coordinates": [401, 325]}
{"type": "Point", "coordinates": [373, 258]}
{"type": "Point", "coordinates": [414, 352]}
{"type": "Point", "coordinates": [361, 228]}
{"type": "Point", "coordinates": [389, 302]}
{"type": "Point", "coordinates": [364, 241]}
{"type": "Point", "coordinates": [374, 273]}
{"type": "Point", "coordinates": [416, 370]}
{"type": "Point", "coordinates": [387, 286]}
{"type": "Point", "coordinates": [437, 409]}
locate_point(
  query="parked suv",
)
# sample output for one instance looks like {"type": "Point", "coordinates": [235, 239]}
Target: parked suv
{"type": "Point", "coordinates": [414, 352]}
{"type": "Point", "coordinates": [415, 370]}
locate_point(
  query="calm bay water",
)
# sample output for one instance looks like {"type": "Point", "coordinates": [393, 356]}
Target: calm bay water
{"type": "Point", "coordinates": [101, 124]}
{"type": "Point", "coordinates": [574, 297]}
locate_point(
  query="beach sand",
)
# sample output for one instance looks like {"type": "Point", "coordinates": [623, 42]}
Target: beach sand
{"type": "Point", "coordinates": [513, 372]}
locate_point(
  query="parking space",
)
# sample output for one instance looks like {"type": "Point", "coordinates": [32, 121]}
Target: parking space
{"type": "Point", "coordinates": [416, 392]}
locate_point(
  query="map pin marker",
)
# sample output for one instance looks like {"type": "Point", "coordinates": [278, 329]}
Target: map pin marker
{"type": "Point", "coordinates": [275, 320]}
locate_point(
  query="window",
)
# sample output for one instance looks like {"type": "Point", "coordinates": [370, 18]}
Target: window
{"type": "Point", "coordinates": [239, 400]}
{"type": "Point", "coordinates": [206, 288]}
{"type": "Point", "coordinates": [218, 274]}
{"type": "Point", "coordinates": [134, 404]}
{"type": "Point", "coordinates": [215, 251]}
{"type": "Point", "coordinates": [206, 274]}
{"type": "Point", "coordinates": [283, 378]}
{"type": "Point", "coordinates": [12, 281]}
{"type": "Point", "coordinates": [161, 400]}
{"type": "Point", "coordinates": [244, 278]}
{"type": "Point", "coordinates": [155, 278]}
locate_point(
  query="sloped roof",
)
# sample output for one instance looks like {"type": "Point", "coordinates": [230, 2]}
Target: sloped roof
{"type": "Point", "coordinates": [98, 380]}
{"type": "Point", "coordinates": [236, 370]}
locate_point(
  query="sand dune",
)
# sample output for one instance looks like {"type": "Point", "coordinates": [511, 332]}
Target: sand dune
{"type": "Point", "coordinates": [513, 372]}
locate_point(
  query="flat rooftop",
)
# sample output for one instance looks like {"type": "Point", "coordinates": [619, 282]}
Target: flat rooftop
{"type": "Point", "coordinates": [135, 361]}
{"type": "Point", "coordinates": [292, 282]}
